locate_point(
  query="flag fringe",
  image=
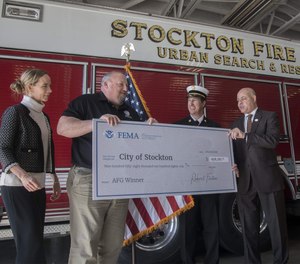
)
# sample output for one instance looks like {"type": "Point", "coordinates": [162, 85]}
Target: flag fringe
{"type": "Point", "coordinates": [161, 222]}
{"type": "Point", "coordinates": [127, 69]}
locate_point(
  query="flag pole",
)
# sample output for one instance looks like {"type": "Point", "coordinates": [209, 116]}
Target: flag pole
{"type": "Point", "coordinates": [133, 254]}
{"type": "Point", "coordinates": [126, 50]}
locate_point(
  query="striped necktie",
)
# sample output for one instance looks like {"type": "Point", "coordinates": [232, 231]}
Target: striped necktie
{"type": "Point", "coordinates": [249, 123]}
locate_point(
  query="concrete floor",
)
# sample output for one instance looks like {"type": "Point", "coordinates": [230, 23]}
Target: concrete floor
{"type": "Point", "coordinates": [57, 249]}
{"type": "Point", "coordinates": [293, 223]}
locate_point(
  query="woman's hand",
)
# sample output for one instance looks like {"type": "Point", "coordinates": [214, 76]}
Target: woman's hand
{"type": "Point", "coordinates": [56, 189]}
{"type": "Point", "coordinates": [30, 183]}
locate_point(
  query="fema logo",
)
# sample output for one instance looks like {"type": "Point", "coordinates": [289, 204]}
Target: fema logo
{"type": "Point", "coordinates": [127, 135]}
{"type": "Point", "coordinates": [109, 134]}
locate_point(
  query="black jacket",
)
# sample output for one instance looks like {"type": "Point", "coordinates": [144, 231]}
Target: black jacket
{"type": "Point", "coordinates": [21, 142]}
{"type": "Point", "coordinates": [256, 156]}
{"type": "Point", "coordinates": [205, 122]}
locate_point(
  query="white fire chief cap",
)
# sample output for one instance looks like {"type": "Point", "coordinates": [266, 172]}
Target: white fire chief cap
{"type": "Point", "coordinates": [197, 90]}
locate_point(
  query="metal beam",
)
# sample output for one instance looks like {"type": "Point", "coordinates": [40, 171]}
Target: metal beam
{"type": "Point", "coordinates": [175, 11]}
{"type": "Point", "coordinates": [168, 8]}
{"type": "Point", "coordinates": [287, 25]}
{"type": "Point", "coordinates": [261, 28]}
{"type": "Point", "coordinates": [270, 23]}
{"type": "Point", "coordinates": [213, 9]}
{"type": "Point", "coordinates": [131, 3]}
{"type": "Point", "coordinates": [222, 1]}
{"type": "Point", "coordinates": [255, 22]}
{"type": "Point", "coordinates": [190, 8]}
{"type": "Point", "coordinates": [180, 6]}
{"type": "Point", "coordinates": [261, 17]}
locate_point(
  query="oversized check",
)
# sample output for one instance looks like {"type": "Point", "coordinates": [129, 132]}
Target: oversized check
{"type": "Point", "coordinates": [134, 159]}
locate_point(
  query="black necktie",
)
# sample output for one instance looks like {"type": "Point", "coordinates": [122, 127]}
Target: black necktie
{"type": "Point", "coordinates": [196, 122]}
{"type": "Point", "coordinates": [249, 123]}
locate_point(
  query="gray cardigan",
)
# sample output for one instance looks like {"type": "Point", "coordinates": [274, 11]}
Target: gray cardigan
{"type": "Point", "coordinates": [20, 141]}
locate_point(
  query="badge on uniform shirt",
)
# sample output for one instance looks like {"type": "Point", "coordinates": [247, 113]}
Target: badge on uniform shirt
{"type": "Point", "coordinates": [127, 114]}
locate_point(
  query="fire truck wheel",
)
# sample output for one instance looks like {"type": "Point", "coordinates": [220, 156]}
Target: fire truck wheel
{"type": "Point", "coordinates": [230, 227]}
{"type": "Point", "coordinates": [162, 246]}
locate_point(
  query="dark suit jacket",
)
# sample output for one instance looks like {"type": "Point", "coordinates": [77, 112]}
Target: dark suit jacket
{"type": "Point", "coordinates": [256, 156]}
{"type": "Point", "coordinates": [205, 123]}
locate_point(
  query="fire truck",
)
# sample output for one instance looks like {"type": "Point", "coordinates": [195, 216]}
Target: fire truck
{"type": "Point", "coordinates": [78, 44]}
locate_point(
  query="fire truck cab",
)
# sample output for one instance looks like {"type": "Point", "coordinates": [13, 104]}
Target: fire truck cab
{"type": "Point", "coordinates": [78, 44]}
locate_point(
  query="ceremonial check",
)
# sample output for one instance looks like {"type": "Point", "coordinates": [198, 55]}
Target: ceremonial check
{"type": "Point", "coordinates": [134, 159]}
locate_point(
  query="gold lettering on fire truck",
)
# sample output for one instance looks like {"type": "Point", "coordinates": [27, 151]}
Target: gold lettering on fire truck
{"type": "Point", "coordinates": [223, 43]}
{"type": "Point", "coordinates": [170, 36]}
{"type": "Point", "coordinates": [208, 37]}
{"type": "Point", "coordinates": [184, 55]}
{"type": "Point", "coordinates": [274, 51]}
{"type": "Point", "coordinates": [209, 48]}
{"type": "Point", "coordinates": [119, 28]}
{"type": "Point", "coordinates": [239, 62]}
{"type": "Point", "coordinates": [161, 33]}
{"type": "Point", "coordinates": [138, 29]}
{"type": "Point", "coordinates": [189, 38]}
{"type": "Point", "coordinates": [291, 69]}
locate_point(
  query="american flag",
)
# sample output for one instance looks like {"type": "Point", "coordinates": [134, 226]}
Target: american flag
{"type": "Point", "coordinates": [134, 97]}
{"type": "Point", "coordinates": [145, 214]}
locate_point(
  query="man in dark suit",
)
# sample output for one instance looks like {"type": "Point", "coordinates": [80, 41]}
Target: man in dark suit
{"type": "Point", "coordinates": [204, 214]}
{"type": "Point", "coordinates": [260, 183]}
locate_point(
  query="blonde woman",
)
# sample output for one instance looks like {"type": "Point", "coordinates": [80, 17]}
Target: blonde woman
{"type": "Point", "coordinates": [26, 155]}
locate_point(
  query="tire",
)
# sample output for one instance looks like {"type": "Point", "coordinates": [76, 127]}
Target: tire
{"type": "Point", "coordinates": [162, 246]}
{"type": "Point", "coordinates": [231, 237]}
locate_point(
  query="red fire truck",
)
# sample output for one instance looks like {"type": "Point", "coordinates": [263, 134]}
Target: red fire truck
{"type": "Point", "coordinates": [77, 44]}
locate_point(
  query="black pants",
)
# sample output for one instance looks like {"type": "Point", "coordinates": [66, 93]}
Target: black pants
{"type": "Point", "coordinates": [203, 216]}
{"type": "Point", "coordinates": [249, 211]}
{"type": "Point", "coordinates": [26, 213]}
